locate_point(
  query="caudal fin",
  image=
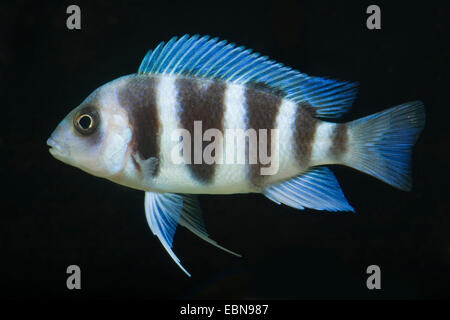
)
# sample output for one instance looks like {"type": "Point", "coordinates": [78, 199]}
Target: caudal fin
{"type": "Point", "coordinates": [381, 144]}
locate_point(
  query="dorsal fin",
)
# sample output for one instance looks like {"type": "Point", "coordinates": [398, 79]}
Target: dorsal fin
{"type": "Point", "coordinates": [213, 59]}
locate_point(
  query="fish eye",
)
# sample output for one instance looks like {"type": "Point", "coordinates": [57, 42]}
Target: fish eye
{"type": "Point", "coordinates": [86, 121]}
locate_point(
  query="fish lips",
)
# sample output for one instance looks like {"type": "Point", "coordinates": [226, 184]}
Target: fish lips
{"type": "Point", "coordinates": [56, 149]}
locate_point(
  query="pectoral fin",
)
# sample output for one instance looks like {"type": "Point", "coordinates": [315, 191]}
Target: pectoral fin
{"type": "Point", "coordinates": [164, 211]}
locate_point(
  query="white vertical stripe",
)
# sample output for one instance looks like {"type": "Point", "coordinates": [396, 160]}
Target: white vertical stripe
{"type": "Point", "coordinates": [285, 123]}
{"type": "Point", "coordinates": [322, 143]}
{"type": "Point", "coordinates": [232, 177]}
{"type": "Point", "coordinates": [171, 177]}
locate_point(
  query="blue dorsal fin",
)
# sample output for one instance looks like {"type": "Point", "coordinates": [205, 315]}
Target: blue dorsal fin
{"type": "Point", "coordinates": [317, 189]}
{"type": "Point", "coordinates": [213, 59]}
{"type": "Point", "coordinates": [164, 211]}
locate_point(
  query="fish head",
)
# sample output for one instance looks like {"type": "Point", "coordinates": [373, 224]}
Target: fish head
{"type": "Point", "coordinates": [94, 136]}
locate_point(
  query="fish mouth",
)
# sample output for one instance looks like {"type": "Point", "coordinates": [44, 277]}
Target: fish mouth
{"type": "Point", "coordinates": [55, 148]}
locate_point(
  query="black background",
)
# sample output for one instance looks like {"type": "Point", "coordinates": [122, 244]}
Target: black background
{"type": "Point", "coordinates": [54, 215]}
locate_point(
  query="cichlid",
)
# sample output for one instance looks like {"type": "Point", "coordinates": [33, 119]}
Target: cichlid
{"type": "Point", "coordinates": [202, 116]}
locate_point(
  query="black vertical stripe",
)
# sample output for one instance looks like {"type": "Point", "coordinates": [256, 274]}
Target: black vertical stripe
{"type": "Point", "coordinates": [262, 111]}
{"type": "Point", "coordinates": [138, 97]}
{"type": "Point", "coordinates": [305, 130]}
{"type": "Point", "coordinates": [339, 139]}
{"type": "Point", "coordinates": [205, 104]}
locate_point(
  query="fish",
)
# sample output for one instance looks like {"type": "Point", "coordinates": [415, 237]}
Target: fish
{"type": "Point", "coordinates": [205, 116]}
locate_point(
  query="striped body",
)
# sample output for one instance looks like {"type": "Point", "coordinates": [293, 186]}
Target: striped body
{"type": "Point", "coordinates": [157, 105]}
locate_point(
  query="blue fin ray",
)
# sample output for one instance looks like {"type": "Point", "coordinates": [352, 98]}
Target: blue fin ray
{"type": "Point", "coordinates": [164, 211]}
{"type": "Point", "coordinates": [213, 59]}
{"type": "Point", "coordinates": [382, 143]}
{"type": "Point", "coordinates": [163, 214]}
{"type": "Point", "coordinates": [317, 189]}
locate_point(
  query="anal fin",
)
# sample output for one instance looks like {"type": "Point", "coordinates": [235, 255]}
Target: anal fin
{"type": "Point", "coordinates": [316, 189]}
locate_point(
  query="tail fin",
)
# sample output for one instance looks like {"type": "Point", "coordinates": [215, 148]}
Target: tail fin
{"type": "Point", "coordinates": [381, 144]}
